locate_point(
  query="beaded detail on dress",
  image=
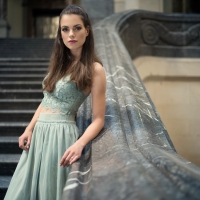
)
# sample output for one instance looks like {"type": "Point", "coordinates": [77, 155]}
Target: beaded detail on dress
{"type": "Point", "coordinates": [65, 99]}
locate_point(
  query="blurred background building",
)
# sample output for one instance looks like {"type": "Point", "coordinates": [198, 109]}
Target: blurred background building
{"type": "Point", "coordinates": [173, 83]}
{"type": "Point", "coordinates": [39, 18]}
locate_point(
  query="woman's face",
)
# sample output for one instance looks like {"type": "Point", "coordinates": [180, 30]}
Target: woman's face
{"type": "Point", "coordinates": [73, 31]}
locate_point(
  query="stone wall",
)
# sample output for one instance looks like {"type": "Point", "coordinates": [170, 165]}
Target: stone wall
{"type": "Point", "coordinates": [173, 85]}
{"type": "Point", "coordinates": [153, 5]}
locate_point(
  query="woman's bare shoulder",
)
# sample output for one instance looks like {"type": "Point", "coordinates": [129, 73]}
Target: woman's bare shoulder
{"type": "Point", "coordinates": [98, 68]}
{"type": "Point", "coordinates": [99, 79]}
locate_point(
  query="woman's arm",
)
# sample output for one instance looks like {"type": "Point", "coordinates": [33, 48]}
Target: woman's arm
{"type": "Point", "coordinates": [98, 110]}
{"type": "Point", "coordinates": [26, 136]}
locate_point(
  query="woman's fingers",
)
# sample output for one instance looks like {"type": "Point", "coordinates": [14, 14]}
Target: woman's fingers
{"type": "Point", "coordinates": [28, 143]}
{"type": "Point", "coordinates": [21, 143]}
{"type": "Point", "coordinates": [67, 159]}
{"type": "Point", "coordinates": [24, 143]}
{"type": "Point", "coordinates": [75, 158]}
{"type": "Point", "coordinates": [64, 157]}
{"type": "Point", "coordinates": [70, 160]}
{"type": "Point", "coordinates": [71, 155]}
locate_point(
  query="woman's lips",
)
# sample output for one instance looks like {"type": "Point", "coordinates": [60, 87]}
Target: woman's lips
{"type": "Point", "coordinates": [72, 41]}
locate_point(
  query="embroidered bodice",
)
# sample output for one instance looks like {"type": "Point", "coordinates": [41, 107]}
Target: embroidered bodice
{"type": "Point", "coordinates": [65, 99]}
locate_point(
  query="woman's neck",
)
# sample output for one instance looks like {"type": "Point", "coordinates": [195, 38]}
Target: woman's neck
{"type": "Point", "coordinates": [77, 54]}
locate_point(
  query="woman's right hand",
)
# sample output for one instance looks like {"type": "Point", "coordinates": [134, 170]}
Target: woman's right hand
{"type": "Point", "coordinates": [25, 140]}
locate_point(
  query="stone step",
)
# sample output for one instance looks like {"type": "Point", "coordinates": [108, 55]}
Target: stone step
{"type": "Point", "coordinates": [9, 145]}
{"type": "Point", "coordinates": [16, 71]}
{"type": "Point", "coordinates": [22, 77]}
{"type": "Point", "coordinates": [20, 84]}
{"type": "Point", "coordinates": [13, 115]}
{"type": "Point", "coordinates": [4, 183]}
{"type": "Point", "coordinates": [30, 49]}
{"type": "Point", "coordinates": [21, 94]}
{"type": "Point", "coordinates": [19, 104]}
{"type": "Point", "coordinates": [24, 64]}
{"type": "Point", "coordinates": [12, 128]}
{"type": "Point", "coordinates": [8, 163]}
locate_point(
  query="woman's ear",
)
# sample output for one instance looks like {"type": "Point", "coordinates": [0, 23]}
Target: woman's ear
{"type": "Point", "coordinates": [87, 31]}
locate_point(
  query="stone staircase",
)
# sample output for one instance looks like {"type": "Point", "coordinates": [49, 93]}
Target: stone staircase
{"type": "Point", "coordinates": [25, 48]}
{"type": "Point", "coordinates": [20, 95]}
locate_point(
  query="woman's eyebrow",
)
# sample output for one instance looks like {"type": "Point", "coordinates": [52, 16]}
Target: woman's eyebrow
{"type": "Point", "coordinates": [73, 26]}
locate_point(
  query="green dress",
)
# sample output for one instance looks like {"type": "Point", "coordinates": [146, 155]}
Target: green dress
{"type": "Point", "coordinates": [38, 175]}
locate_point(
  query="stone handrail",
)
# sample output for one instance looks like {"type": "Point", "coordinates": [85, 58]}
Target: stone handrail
{"type": "Point", "coordinates": [133, 156]}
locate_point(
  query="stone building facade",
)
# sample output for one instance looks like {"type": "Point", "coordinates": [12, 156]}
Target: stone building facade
{"type": "Point", "coordinates": [39, 18]}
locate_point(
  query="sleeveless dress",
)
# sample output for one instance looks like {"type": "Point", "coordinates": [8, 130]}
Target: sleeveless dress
{"type": "Point", "coordinates": [38, 175]}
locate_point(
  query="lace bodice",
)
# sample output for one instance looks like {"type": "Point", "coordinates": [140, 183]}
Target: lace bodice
{"type": "Point", "coordinates": [65, 99]}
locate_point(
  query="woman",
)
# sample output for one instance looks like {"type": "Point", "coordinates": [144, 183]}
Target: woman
{"type": "Point", "coordinates": [51, 141]}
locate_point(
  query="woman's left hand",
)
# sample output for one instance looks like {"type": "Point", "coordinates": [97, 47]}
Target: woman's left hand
{"type": "Point", "coordinates": [72, 154]}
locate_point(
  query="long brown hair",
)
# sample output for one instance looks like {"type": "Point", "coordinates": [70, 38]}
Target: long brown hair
{"type": "Point", "coordinates": [61, 59]}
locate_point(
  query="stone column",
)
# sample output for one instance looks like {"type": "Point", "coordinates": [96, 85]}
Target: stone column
{"type": "Point", "coordinates": [3, 8]}
{"type": "Point", "coordinates": [4, 27]}
{"type": "Point", "coordinates": [98, 10]}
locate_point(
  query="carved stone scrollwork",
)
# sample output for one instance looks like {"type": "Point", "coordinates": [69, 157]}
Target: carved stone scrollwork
{"type": "Point", "coordinates": [152, 31]}
{"type": "Point", "coordinates": [149, 34]}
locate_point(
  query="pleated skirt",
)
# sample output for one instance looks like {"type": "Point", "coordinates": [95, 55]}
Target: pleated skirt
{"type": "Point", "coordinates": [38, 175]}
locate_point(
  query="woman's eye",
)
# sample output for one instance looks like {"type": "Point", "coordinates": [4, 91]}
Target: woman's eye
{"type": "Point", "coordinates": [64, 29]}
{"type": "Point", "coordinates": [78, 28]}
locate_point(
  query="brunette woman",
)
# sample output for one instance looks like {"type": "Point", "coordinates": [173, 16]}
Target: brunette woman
{"type": "Point", "coordinates": [51, 141]}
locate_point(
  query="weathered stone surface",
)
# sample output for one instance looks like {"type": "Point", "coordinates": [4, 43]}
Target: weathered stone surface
{"type": "Point", "coordinates": [132, 157]}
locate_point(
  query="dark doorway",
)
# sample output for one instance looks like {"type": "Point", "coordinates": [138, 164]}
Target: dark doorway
{"type": "Point", "coordinates": [195, 6]}
{"type": "Point", "coordinates": [186, 6]}
{"type": "Point", "coordinates": [46, 22]}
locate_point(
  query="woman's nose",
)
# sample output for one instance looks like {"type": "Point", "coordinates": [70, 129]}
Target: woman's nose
{"type": "Point", "coordinates": [71, 33]}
